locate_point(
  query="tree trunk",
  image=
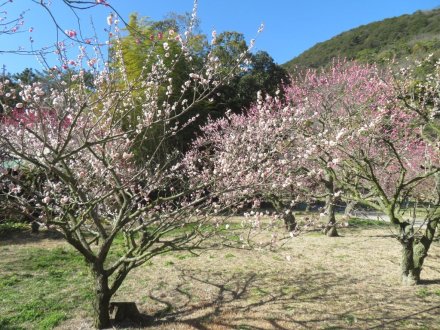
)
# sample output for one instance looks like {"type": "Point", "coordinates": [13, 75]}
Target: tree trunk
{"type": "Point", "coordinates": [350, 208]}
{"type": "Point", "coordinates": [289, 220]}
{"type": "Point", "coordinates": [330, 209]}
{"type": "Point", "coordinates": [415, 251]}
{"type": "Point", "coordinates": [421, 247]}
{"type": "Point", "coordinates": [409, 275]}
{"type": "Point", "coordinates": [101, 304]}
{"type": "Point", "coordinates": [35, 227]}
{"type": "Point", "coordinates": [288, 216]}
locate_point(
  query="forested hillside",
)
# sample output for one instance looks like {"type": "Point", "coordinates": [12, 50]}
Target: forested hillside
{"type": "Point", "coordinates": [413, 35]}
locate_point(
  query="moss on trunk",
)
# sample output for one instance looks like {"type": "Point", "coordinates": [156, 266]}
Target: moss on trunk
{"type": "Point", "coordinates": [414, 252]}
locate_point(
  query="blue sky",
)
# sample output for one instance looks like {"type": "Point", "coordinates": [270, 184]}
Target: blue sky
{"type": "Point", "coordinates": [291, 26]}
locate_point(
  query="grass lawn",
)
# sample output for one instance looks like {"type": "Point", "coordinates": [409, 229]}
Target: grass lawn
{"type": "Point", "coordinates": [348, 282]}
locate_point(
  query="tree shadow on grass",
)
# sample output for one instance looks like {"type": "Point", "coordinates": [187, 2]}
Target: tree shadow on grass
{"type": "Point", "coordinates": [408, 317]}
{"type": "Point", "coordinates": [238, 293]}
{"type": "Point", "coordinates": [429, 282]}
{"type": "Point", "coordinates": [230, 290]}
{"type": "Point", "coordinates": [254, 301]}
{"type": "Point", "coordinates": [26, 237]}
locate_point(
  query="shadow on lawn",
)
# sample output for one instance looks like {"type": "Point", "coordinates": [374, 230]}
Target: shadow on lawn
{"type": "Point", "coordinates": [429, 282]}
{"type": "Point", "coordinates": [201, 315]}
{"type": "Point", "coordinates": [247, 301]}
{"type": "Point", "coordinates": [26, 237]}
{"type": "Point", "coordinates": [388, 324]}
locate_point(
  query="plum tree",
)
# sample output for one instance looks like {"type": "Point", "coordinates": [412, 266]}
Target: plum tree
{"type": "Point", "coordinates": [116, 209]}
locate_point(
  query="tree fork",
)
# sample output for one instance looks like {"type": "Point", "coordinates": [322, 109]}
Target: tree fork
{"type": "Point", "coordinates": [421, 248]}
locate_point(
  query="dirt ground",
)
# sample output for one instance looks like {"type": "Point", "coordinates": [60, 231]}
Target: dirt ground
{"type": "Point", "coordinates": [312, 282]}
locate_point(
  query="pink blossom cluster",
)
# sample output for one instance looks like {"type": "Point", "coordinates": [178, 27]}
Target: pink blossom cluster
{"type": "Point", "coordinates": [85, 134]}
{"type": "Point", "coordinates": [344, 124]}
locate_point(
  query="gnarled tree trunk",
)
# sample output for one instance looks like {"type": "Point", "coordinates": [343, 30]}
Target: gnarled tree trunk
{"type": "Point", "coordinates": [288, 216]}
{"type": "Point", "coordinates": [289, 219]}
{"type": "Point", "coordinates": [414, 252]}
{"type": "Point", "coordinates": [408, 274]}
{"type": "Point", "coordinates": [330, 210]}
{"type": "Point", "coordinates": [101, 303]}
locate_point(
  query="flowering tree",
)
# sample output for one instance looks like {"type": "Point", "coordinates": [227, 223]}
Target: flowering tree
{"type": "Point", "coordinates": [366, 147]}
{"type": "Point", "coordinates": [390, 168]}
{"type": "Point", "coordinates": [286, 146]}
{"type": "Point", "coordinates": [252, 157]}
{"type": "Point", "coordinates": [80, 138]}
{"type": "Point", "coordinates": [339, 133]}
{"type": "Point", "coordinates": [375, 152]}
{"type": "Point", "coordinates": [420, 95]}
{"type": "Point", "coordinates": [324, 102]}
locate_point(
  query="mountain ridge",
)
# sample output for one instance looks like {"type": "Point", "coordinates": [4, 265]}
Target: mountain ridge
{"type": "Point", "coordinates": [409, 35]}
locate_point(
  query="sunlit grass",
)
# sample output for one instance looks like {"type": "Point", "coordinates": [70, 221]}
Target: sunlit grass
{"type": "Point", "coordinates": [41, 287]}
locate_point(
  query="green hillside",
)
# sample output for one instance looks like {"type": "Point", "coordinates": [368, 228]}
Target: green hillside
{"type": "Point", "coordinates": [412, 35]}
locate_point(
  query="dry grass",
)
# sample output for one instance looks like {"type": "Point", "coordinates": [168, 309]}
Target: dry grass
{"type": "Point", "coordinates": [350, 282]}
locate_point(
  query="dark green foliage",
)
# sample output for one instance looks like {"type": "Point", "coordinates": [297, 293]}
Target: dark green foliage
{"type": "Point", "coordinates": [236, 94]}
{"type": "Point", "coordinates": [413, 35]}
{"type": "Point", "coordinates": [28, 76]}
{"type": "Point", "coordinates": [263, 75]}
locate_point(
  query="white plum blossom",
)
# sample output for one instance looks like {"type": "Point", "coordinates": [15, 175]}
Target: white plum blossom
{"type": "Point", "coordinates": [110, 19]}
{"type": "Point", "coordinates": [64, 200]}
{"type": "Point", "coordinates": [46, 200]}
